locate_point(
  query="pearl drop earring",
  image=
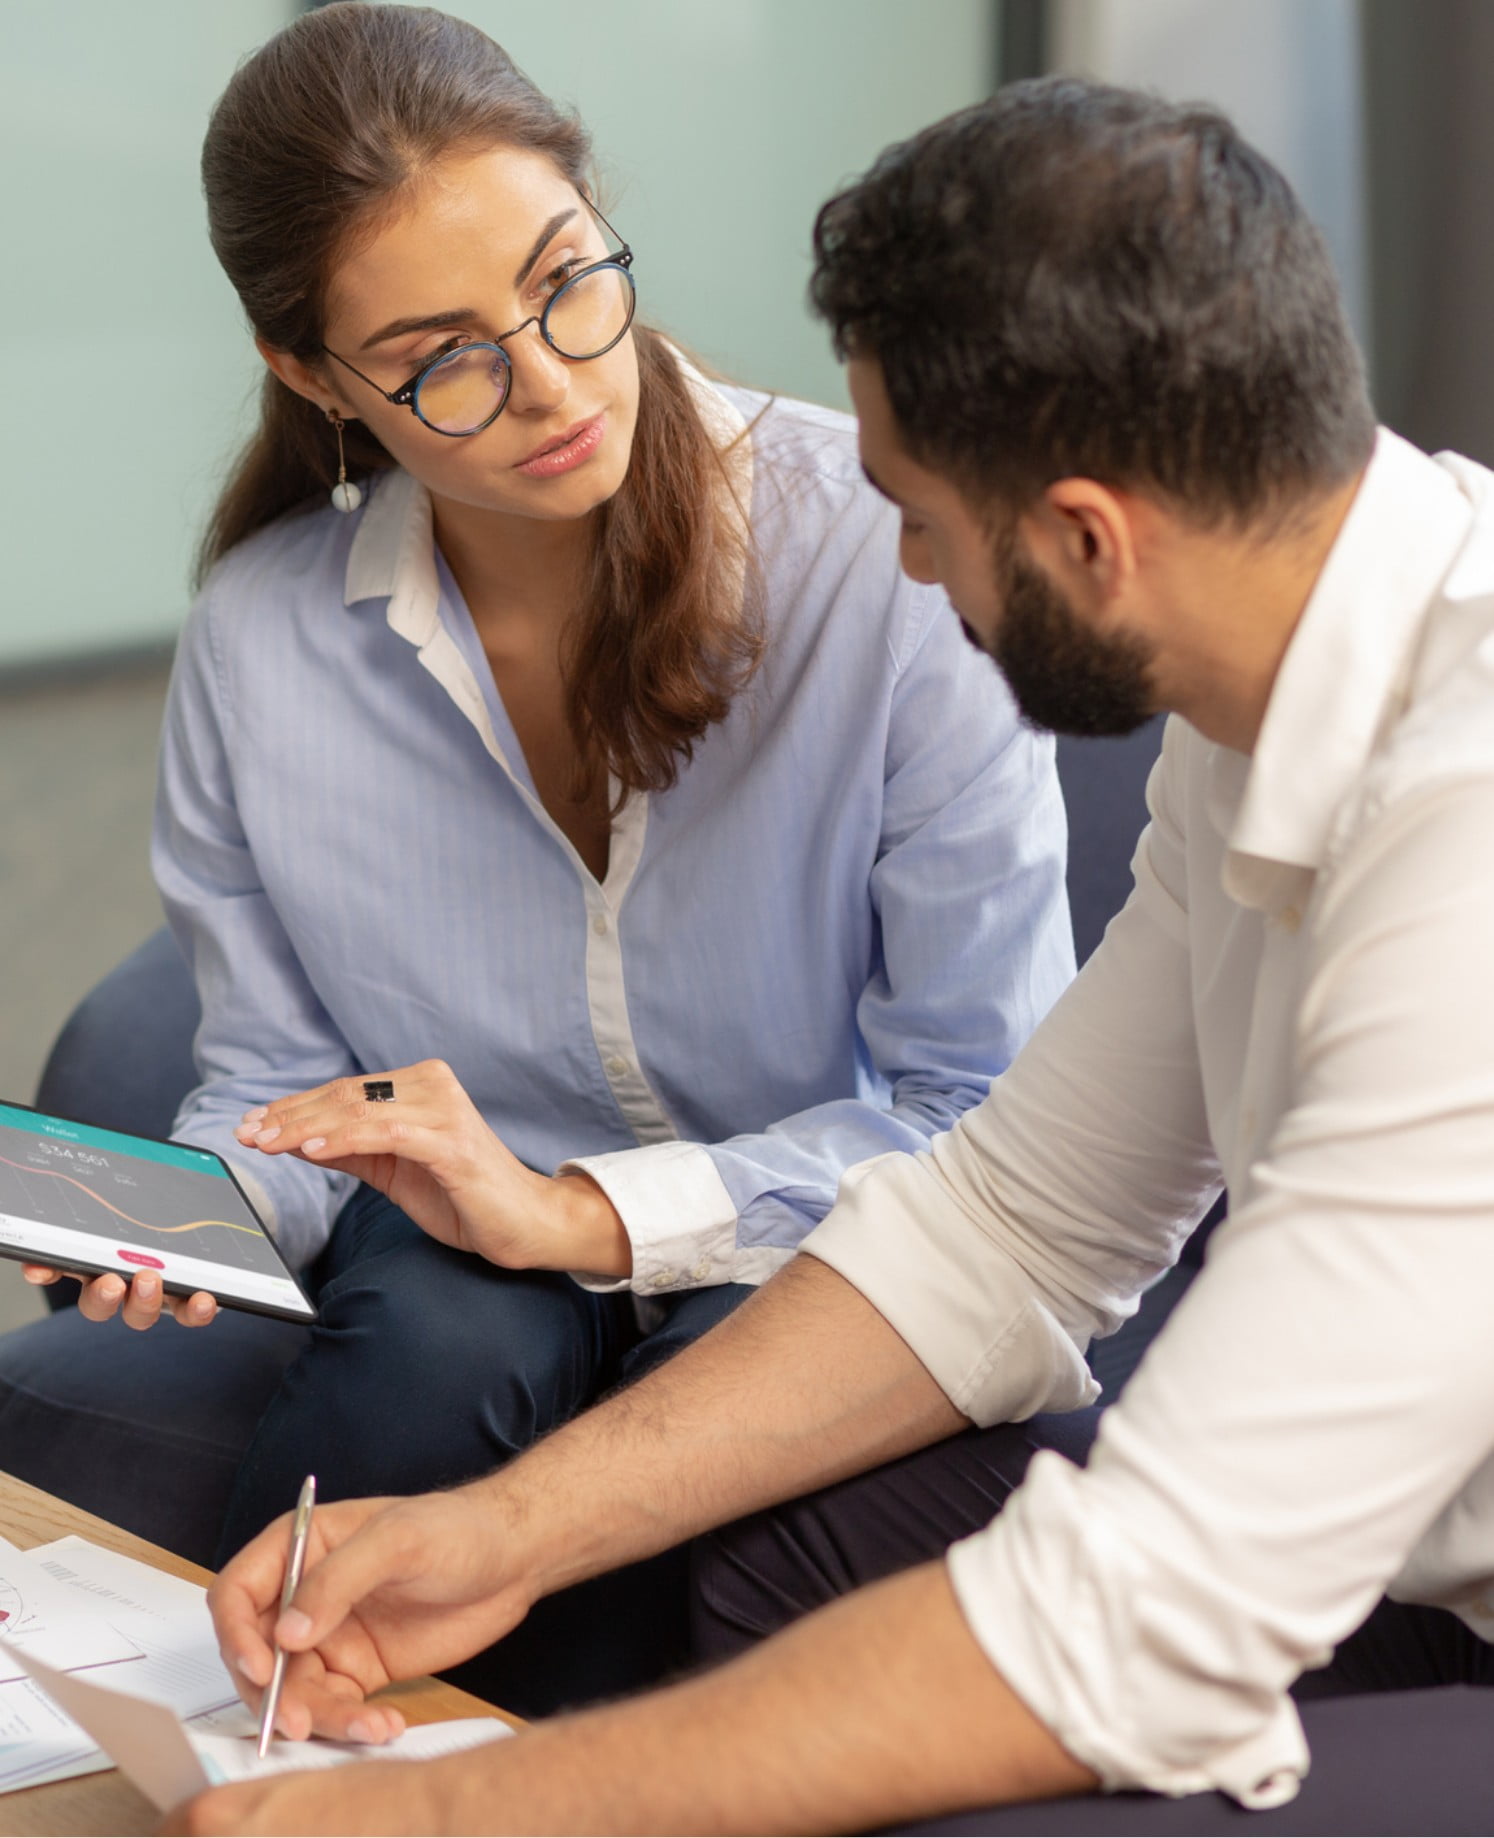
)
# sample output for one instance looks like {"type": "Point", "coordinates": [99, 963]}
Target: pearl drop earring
{"type": "Point", "coordinates": [346, 497]}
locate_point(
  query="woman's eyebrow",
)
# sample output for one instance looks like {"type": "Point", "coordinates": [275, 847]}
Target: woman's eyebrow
{"type": "Point", "coordinates": [460, 315]}
{"type": "Point", "coordinates": [557, 222]}
{"type": "Point", "coordinates": [421, 322]}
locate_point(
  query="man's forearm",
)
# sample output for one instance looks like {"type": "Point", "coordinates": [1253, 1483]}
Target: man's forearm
{"type": "Point", "coordinates": [806, 1383]}
{"type": "Point", "coordinates": [880, 1707]}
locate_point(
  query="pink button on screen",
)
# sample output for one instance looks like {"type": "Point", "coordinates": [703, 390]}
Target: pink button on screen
{"type": "Point", "coordinates": [141, 1257]}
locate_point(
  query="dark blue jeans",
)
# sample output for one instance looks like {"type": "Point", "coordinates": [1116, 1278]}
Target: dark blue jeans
{"type": "Point", "coordinates": [428, 1367]}
{"type": "Point", "coordinates": [146, 1430]}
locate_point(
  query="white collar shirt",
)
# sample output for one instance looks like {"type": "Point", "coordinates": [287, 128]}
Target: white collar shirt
{"type": "Point", "coordinates": [1297, 999]}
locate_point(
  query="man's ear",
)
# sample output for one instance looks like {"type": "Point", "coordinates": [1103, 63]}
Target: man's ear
{"type": "Point", "coordinates": [1081, 533]}
{"type": "Point", "coordinates": [300, 377]}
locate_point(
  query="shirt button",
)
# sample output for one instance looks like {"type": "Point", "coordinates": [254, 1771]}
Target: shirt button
{"type": "Point", "coordinates": [618, 1066]}
{"type": "Point", "coordinates": [701, 1271]}
{"type": "Point", "coordinates": [599, 925]}
{"type": "Point", "coordinates": [663, 1279]}
{"type": "Point", "coordinates": [1291, 917]}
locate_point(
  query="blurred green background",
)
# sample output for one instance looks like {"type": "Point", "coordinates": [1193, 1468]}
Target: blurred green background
{"type": "Point", "coordinates": [719, 129]}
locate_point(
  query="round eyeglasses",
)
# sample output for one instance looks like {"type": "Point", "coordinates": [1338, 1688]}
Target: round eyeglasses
{"type": "Point", "coordinates": [465, 390]}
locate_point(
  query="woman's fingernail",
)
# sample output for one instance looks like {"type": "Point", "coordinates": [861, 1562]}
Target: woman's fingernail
{"type": "Point", "coordinates": [360, 1731]}
{"type": "Point", "coordinates": [201, 1309]}
{"type": "Point", "coordinates": [145, 1288]}
{"type": "Point", "coordinates": [268, 1135]}
{"type": "Point", "coordinates": [253, 1116]}
{"type": "Point", "coordinates": [314, 1144]}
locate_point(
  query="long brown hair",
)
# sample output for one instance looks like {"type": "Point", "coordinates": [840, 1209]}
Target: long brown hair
{"type": "Point", "coordinates": [316, 136]}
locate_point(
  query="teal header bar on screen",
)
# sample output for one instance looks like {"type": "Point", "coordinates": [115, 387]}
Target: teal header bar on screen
{"type": "Point", "coordinates": [174, 1155]}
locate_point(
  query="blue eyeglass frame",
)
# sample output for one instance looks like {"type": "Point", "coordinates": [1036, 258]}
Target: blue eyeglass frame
{"type": "Point", "coordinates": [408, 393]}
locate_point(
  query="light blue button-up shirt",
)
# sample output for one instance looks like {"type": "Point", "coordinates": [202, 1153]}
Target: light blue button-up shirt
{"type": "Point", "coordinates": [821, 944]}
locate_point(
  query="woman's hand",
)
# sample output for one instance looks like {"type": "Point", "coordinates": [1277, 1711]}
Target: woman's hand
{"type": "Point", "coordinates": [392, 1589]}
{"type": "Point", "coordinates": [140, 1303]}
{"type": "Point", "coordinates": [433, 1155]}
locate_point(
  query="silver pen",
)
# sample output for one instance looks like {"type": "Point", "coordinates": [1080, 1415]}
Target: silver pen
{"type": "Point", "coordinates": [300, 1534]}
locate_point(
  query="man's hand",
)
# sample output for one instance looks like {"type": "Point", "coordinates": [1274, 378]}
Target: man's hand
{"type": "Point", "coordinates": [139, 1303]}
{"type": "Point", "coordinates": [431, 1152]}
{"type": "Point", "coordinates": [392, 1589]}
{"type": "Point", "coordinates": [801, 1386]}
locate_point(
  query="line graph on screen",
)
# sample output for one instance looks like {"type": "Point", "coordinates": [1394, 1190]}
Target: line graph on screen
{"type": "Point", "coordinates": [30, 1170]}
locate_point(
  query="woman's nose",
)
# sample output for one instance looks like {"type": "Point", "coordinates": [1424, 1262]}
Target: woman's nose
{"type": "Point", "coordinates": [540, 377]}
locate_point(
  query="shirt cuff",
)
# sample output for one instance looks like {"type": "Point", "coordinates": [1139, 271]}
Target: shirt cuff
{"type": "Point", "coordinates": [1073, 1619]}
{"type": "Point", "coordinates": [676, 1210]}
{"type": "Point", "coordinates": [961, 1302]}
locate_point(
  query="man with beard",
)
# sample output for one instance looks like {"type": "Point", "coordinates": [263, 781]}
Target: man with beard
{"type": "Point", "coordinates": [1102, 369]}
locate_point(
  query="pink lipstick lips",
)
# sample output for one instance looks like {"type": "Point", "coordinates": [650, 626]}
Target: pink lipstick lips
{"type": "Point", "coordinates": [571, 449]}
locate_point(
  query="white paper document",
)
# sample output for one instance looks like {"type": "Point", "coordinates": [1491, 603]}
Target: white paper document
{"type": "Point", "coordinates": [41, 1616]}
{"type": "Point", "coordinates": [169, 1762]}
{"type": "Point", "coordinates": [176, 1661]}
{"type": "Point", "coordinates": [109, 1583]}
{"type": "Point", "coordinates": [228, 1754]}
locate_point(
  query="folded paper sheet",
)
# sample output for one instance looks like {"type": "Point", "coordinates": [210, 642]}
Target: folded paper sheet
{"type": "Point", "coordinates": [169, 1763]}
{"type": "Point", "coordinates": [145, 1741]}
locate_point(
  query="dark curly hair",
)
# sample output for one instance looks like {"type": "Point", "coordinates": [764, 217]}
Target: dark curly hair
{"type": "Point", "coordinates": [1072, 279]}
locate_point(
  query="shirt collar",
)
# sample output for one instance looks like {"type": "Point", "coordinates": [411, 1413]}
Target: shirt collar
{"type": "Point", "coordinates": [393, 556]}
{"type": "Point", "coordinates": [393, 550]}
{"type": "Point", "coordinates": [1346, 665]}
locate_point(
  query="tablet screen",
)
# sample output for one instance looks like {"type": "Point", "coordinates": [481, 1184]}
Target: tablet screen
{"type": "Point", "coordinates": [94, 1200]}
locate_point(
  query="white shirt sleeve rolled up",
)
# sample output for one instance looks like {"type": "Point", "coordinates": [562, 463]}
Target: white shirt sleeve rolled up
{"type": "Point", "coordinates": [1315, 1418]}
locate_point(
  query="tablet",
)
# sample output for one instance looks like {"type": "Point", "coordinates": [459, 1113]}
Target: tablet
{"type": "Point", "coordinates": [94, 1200]}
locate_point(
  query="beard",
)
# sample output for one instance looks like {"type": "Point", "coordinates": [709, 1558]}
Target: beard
{"type": "Point", "coordinates": [1062, 676]}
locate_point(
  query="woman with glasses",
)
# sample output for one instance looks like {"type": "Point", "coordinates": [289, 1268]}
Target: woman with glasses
{"type": "Point", "coordinates": [586, 841]}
